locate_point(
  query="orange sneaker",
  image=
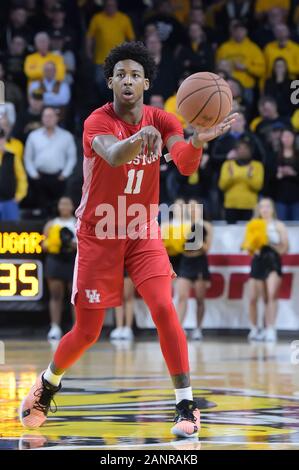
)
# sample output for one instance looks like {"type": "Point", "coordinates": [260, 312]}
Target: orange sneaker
{"type": "Point", "coordinates": [34, 408]}
{"type": "Point", "coordinates": [187, 419]}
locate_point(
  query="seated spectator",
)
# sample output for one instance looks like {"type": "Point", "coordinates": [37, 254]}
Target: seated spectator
{"type": "Point", "coordinates": [50, 157]}
{"type": "Point", "coordinates": [197, 186]}
{"type": "Point", "coordinates": [181, 10]}
{"type": "Point", "coordinates": [55, 93]}
{"type": "Point", "coordinates": [165, 83]}
{"type": "Point", "coordinates": [268, 118]}
{"type": "Point", "coordinates": [197, 15]}
{"type": "Point", "coordinates": [279, 87]}
{"type": "Point", "coordinates": [14, 62]}
{"type": "Point", "coordinates": [106, 30]}
{"type": "Point", "coordinates": [59, 24]}
{"type": "Point", "coordinates": [34, 63]}
{"type": "Point", "coordinates": [262, 7]}
{"type": "Point", "coordinates": [171, 32]}
{"type": "Point", "coordinates": [12, 144]}
{"type": "Point", "coordinates": [60, 46]}
{"type": "Point", "coordinates": [264, 33]}
{"type": "Point", "coordinates": [238, 95]}
{"type": "Point", "coordinates": [17, 26]}
{"type": "Point", "coordinates": [30, 118]}
{"type": "Point", "coordinates": [284, 48]}
{"type": "Point", "coordinates": [13, 181]}
{"type": "Point", "coordinates": [241, 10]}
{"type": "Point", "coordinates": [241, 179]}
{"type": "Point", "coordinates": [286, 183]}
{"type": "Point", "coordinates": [246, 57]}
{"type": "Point", "coordinates": [197, 56]}
{"type": "Point", "coordinates": [224, 147]}
{"type": "Point", "coordinates": [13, 93]}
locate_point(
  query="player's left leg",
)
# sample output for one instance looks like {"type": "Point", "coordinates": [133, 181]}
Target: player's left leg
{"type": "Point", "coordinates": [156, 292]}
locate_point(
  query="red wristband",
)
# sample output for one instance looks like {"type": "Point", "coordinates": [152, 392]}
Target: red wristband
{"type": "Point", "coordinates": [186, 157]}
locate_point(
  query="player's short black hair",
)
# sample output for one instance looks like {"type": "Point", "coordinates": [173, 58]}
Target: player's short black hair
{"type": "Point", "coordinates": [134, 50]}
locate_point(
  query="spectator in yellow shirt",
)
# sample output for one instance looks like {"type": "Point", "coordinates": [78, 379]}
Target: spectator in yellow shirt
{"type": "Point", "coordinates": [241, 180]}
{"type": "Point", "coordinates": [247, 59]}
{"type": "Point", "coordinates": [13, 182]}
{"type": "Point", "coordinates": [34, 63]}
{"type": "Point", "coordinates": [284, 48]}
{"type": "Point", "coordinates": [106, 30]}
{"type": "Point", "coordinates": [12, 144]}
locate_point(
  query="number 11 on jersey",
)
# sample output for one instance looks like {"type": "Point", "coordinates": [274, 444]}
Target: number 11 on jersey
{"type": "Point", "coordinates": [134, 182]}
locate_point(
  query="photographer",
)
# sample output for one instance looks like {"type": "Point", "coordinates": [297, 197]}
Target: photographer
{"type": "Point", "coordinates": [60, 245]}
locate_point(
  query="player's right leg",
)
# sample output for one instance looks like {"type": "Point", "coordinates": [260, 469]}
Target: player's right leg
{"type": "Point", "coordinates": [98, 284]}
{"type": "Point", "coordinates": [35, 406]}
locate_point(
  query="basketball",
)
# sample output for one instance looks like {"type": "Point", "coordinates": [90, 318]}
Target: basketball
{"type": "Point", "coordinates": [204, 99]}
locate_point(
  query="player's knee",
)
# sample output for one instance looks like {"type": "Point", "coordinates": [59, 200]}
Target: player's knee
{"type": "Point", "coordinates": [85, 338]}
{"type": "Point", "coordinates": [162, 309]}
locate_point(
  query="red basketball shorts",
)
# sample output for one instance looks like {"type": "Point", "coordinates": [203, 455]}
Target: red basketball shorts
{"type": "Point", "coordinates": [99, 267]}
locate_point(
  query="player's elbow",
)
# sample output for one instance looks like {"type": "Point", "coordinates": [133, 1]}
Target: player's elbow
{"type": "Point", "coordinates": [114, 162]}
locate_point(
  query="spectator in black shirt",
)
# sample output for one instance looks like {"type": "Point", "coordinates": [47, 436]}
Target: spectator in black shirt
{"type": "Point", "coordinates": [166, 79]}
{"type": "Point", "coordinates": [270, 117]}
{"type": "Point", "coordinates": [170, 30]}
{"type": "Point", "coordinates": [197, 15]}
{"type": "Point", "coordinates": [232, 10]}
{"type": "Point", "coordinates": [286, 181]}
{"type": "Point", "coordinates": [279, 87]}
{"type": "Point", "coordinates": [17, 26]}
{"type": "Point", "coordinates": [30, 118]}
{"type": "Point", "coordinates": [14, 61]}
{"type": "Point", "coordinates": [264, 33]}
{"type": "Point", "coordinates": [198, 56]}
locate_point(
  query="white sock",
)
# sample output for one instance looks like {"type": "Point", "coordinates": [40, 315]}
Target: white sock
{"type": "Point", "coordinates": [183, 394]}
{"type": "Point", "coordinates": [53, 379]}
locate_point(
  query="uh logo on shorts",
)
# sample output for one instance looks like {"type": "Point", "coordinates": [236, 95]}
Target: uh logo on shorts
{"type": "Point", "coordinates": [93, 296]}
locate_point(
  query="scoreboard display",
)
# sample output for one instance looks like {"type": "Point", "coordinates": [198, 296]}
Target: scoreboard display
{"type": "Point", "coordinates": [21, 266]}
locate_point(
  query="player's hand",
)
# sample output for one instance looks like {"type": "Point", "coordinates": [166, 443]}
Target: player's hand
{"type": "Point", "coordinates": [202, 135]}
{"type": "Point", "coordinates": [151, 140]}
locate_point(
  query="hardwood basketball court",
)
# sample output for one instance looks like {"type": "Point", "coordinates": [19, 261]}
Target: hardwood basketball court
{"type": "Point", "coordinates": [119, 397]}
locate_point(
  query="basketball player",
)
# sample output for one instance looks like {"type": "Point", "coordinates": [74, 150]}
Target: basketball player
{"type": "Point", "coordinates": [122, 144]}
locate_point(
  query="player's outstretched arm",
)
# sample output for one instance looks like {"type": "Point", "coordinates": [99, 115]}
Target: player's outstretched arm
{"type": "Point", "coordinates": [117, 152]}
{"type": "Point", "coordinates": [202, 135]}
{"type": "Point", "coordinates": [187, 156]}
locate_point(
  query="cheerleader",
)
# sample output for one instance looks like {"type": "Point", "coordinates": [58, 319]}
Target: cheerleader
{"type": "Point", "coordinates": [60, 245]}
{"type": "Point", "coordinates": [194, 268]}
{"type": "Point", "coordinates": [266, 274]}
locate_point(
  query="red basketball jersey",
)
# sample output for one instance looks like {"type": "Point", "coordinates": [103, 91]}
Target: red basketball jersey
{"type": "Point", "coordinates": [136, 182]}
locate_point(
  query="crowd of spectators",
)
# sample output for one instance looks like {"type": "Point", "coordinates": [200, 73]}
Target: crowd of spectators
{"type": "Point", "coordinates": [51, 62]}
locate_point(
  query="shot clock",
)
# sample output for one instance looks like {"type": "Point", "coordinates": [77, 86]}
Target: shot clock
{"type": "Point", "coordinates": [21, 280]}
{"type": "Point", "coordinates": [21, 266]}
